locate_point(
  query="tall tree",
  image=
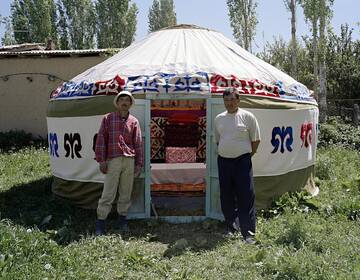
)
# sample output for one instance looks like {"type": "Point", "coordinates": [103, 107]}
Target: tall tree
{"type": "Point", "coordinates": [34, 20]}
{"type": "Point", "coordinates": [291, 6]}
{"type": "Point", "coordinates": [161, 14]}
{"type": "Point", "coordinates": [343, 61]}
{"type": "Point", "coordinates": [318, 13]}
{"type": "Point", "coordinates": [243, 21]}
{"type": "Point", "coordinates": [53, 21]}
{"type": "Point", "coordinates": [21, 21]}
{"type": "Point", "coordinates": [278, 53]}
{"type": "Point", "coordinates": [8, 38]}
{"type": "Point", "coordinates": [62, 28]}
{"type": "Point", "coordinates": [78, 22]}
{"type": "Point", "coordinates": [116, 23]}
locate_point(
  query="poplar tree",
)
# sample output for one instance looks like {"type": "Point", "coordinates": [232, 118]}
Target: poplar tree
{"type": "Point", "coordinates": [116, 23]}
{"type": "Point", "coordinates": [62, 28]}
{"type": "Point", "coordinates": [161, 14]}
{"type": "Point", "coordinates": [8, 37]}
{"type": "Point", "coordinates": [243, 21]}
{"type": "Point", "coordinates": [34, 20]}
{"type": "Point", "coordinates": [291, 6]}
{"type": "Point", "coordinates": [318, 14]}
{"type": "Point", "coordinates": [77, 23]}
{"type": "Point", "coordinates": [20, 21]}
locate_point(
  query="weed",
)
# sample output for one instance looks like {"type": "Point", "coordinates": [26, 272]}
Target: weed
{"type": "Point", "coordinates": [295, 234]}
{"type": "Point", "coordinates": [292, 202]}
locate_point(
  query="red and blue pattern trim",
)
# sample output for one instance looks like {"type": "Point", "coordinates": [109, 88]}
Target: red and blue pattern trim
{"type": "Point", "coordinates": [172, 84]}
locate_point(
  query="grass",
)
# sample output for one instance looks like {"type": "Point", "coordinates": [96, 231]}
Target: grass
{"type": "Point", "coordinates": [299, 238]}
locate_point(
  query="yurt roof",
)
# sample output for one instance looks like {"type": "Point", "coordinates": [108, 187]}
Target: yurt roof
{"type": "Point", "coordinates": [184, 59]}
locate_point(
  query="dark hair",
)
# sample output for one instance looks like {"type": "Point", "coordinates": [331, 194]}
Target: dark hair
{"type": "Point", "coordinates": [230, 91]}
{"type": "Point", "coordinates": [121, 95]}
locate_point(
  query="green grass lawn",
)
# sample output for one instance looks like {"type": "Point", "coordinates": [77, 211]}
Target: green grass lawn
{"type": "Point", "coordinates": [299, 238]}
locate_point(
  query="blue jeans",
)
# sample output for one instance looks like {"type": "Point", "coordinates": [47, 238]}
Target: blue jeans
{"type": "Point", "coordinates": [237, 194]}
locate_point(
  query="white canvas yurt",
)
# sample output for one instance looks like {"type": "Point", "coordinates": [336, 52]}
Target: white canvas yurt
{"type": "Point", "coordinates": [177, 76]}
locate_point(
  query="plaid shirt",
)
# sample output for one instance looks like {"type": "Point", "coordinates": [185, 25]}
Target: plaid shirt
{"type": "Point", "coordinates": [117, 137]}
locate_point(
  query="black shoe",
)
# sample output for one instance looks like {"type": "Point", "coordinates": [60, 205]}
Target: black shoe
{"type": "Point", "coordinates": [249, 237]}
{"type": "Point", "coordinates": [230, 231]}
{"type": "Point", "coordinates": [122, 224]}
{"type": "Point", "coordinates": [99, 227]}
{"type": "Point", "coordinates": [236, 225]}
{"type": "Point", "coordinates": [250, 240]}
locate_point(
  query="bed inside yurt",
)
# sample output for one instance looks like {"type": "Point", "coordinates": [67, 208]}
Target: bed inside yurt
{"type": "Point", "coordinates": [177, 76]}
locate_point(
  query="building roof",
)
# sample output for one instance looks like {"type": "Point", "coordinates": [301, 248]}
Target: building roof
{"type": "Point", "coordinates": [55, 53]}
{"type": "Point", "coordinates": [23, 47]}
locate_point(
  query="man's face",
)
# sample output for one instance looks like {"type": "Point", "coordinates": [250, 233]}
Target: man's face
{"type": "Point", "coordinates": [231, 103]}
{"type": "Point", "coordinates": [124, 102]}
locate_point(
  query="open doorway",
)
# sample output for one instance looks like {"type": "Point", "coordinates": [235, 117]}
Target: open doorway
{"type": "Point", "coordinates": [178, 157]}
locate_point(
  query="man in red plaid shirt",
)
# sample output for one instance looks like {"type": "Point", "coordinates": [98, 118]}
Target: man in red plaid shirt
{"type": "Point", "coordinates": [120, 156]}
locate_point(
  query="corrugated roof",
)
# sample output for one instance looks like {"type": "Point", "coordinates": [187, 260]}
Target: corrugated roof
{"type": "Point", "coordinates": [23, 47]}
{"type": "Point", "coordinates": [48, 53]}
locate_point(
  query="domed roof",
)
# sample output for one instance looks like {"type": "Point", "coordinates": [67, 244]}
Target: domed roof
{"type": "Point", "coordinates": [188, 59]}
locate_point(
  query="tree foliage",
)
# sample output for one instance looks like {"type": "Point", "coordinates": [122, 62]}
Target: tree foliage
{"type": "Point", "coordinates": [73, 24]}
{"type": "Point", "coordinates": [62, 28]}
{"type": "Point", "coordinates": [8, 38]}
{"type": "Point", "coordinates": [278, 53]}
{"type": "Point", "coordinates": [318, 13]}
{"type": "Point", "coordinates": [20, 21]}
{"type": "Point", "coordinates": [116, 23]}
{"type": "Point", "coordinates": [34, 20]}
{"type": "Point", "coordinates": [243, 21]}
{"type": "Point", "coordinates": [291, 6]}
{"type": "Point", "coordinates": [161, 14]}
{"type": "Point", "coordinates": [77, 21]}
{"type": "Point", "coordinates": [342, 59]}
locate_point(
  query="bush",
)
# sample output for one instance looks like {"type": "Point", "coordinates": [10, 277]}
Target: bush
{"type": "Point", "coordinates": [336, 132]}
{"type": "Point", "coordinates": [17, 139]}
{"type": "Point", "coordinates": [291, 202]}
{"type": "Point", "coordinates": [349, 208]}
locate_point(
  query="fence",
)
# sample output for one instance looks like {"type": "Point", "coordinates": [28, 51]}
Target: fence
{"type": "Point", "coordinates": [347, 109]}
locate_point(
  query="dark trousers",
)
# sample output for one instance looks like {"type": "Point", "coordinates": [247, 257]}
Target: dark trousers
{"type": "Point", "coordinates": [237, 191]}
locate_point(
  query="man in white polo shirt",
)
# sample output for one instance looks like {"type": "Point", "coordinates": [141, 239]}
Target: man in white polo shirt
{"type": "Point", "coordinates": [237, 135]}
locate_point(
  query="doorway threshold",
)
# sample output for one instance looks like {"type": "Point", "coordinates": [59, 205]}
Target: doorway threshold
{"type": "Point", "coordinates": [180, 219]}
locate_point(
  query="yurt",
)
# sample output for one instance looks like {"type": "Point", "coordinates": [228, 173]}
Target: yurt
{"type": "Point", "coordinates": [177, 76]}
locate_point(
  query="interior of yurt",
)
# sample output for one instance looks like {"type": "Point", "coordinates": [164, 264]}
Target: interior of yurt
{"type": "Point", "coordinates": [177, 76]}
{"type": "Point", "coordinates": [178, 156]}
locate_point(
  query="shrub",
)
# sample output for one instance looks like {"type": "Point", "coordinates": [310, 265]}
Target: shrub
{"type": "Point", "coordinates": [349, 208]}
{"type": "Point", "coordinates": [291, 202]}
{"type": "Point", "coordinates": [17, 139]}
{"type": "Point", "coordinates": [336, 132]}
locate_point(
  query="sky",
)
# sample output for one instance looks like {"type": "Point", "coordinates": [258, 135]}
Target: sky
{"type": "Point", "coordinates": [274, 19]}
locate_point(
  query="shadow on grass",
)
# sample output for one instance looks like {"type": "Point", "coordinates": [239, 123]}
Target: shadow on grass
{"type": "Point", "coordinates": [196, 236]}
{"type": "Point", "coordinates": [34, 205]}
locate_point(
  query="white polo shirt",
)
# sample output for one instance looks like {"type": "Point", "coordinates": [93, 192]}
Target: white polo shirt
{"type": "Point", "coordinates": [234, 133]}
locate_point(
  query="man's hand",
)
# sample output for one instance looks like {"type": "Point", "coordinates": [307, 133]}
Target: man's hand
{"type": "Point", "coordinates": [137, 171]}
{"type": "Point", "coordinates": [103, 167]}
{"type": "Point", "coordinates": [254, 146]}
